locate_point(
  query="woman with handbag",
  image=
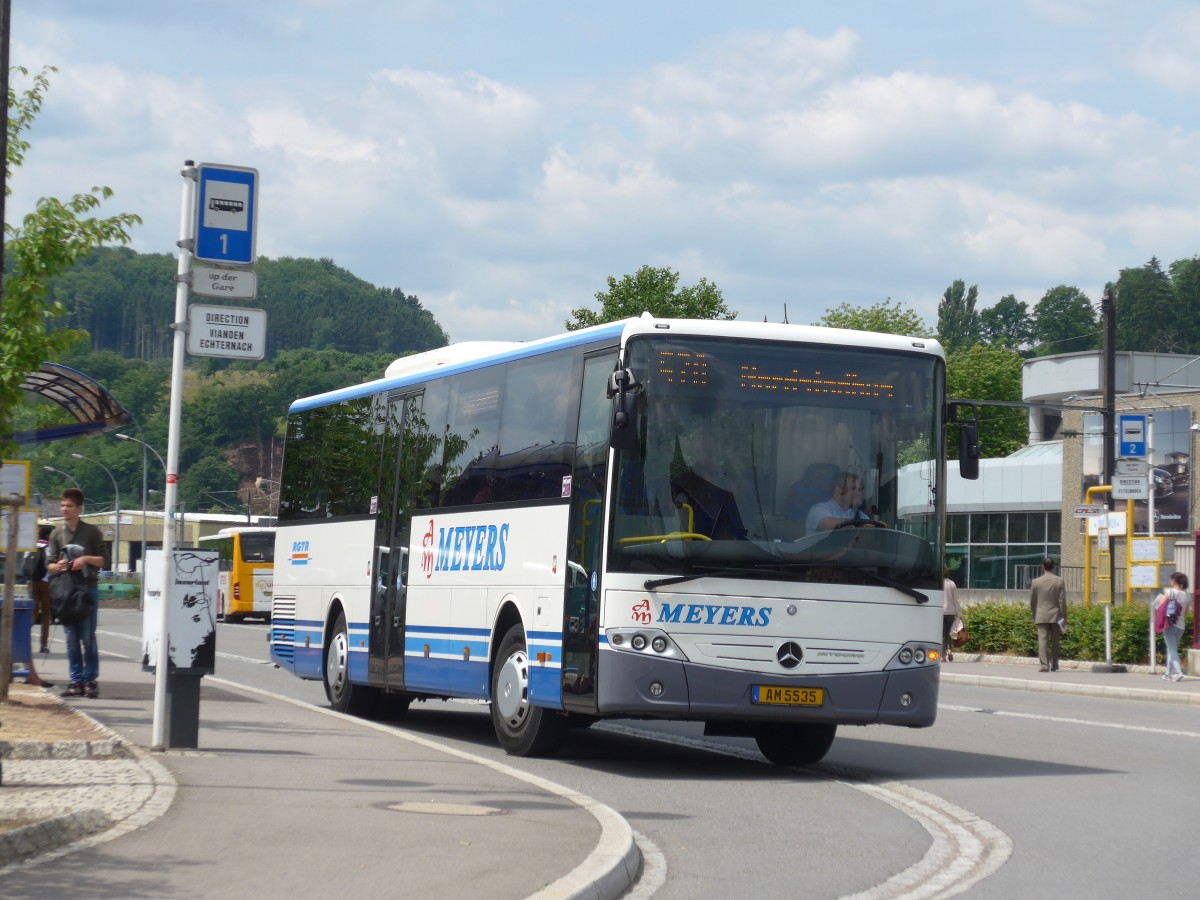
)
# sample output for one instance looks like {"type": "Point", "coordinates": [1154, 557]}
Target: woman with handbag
{"type": "Point", "coordinates": [1172, 604]}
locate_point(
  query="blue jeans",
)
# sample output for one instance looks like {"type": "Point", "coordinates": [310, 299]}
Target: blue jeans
{"type": "Point", "coordinates": [83, 658]}
{"type": "Point", "coordinates": [1171, 638]}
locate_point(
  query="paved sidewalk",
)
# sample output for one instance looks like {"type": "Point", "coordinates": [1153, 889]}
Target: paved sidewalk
{"type": "Point", "coordinates": [285, 798]}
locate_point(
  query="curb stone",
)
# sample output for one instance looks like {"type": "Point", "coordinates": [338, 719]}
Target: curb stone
{"type": "Point", "coordinates": [58, 835]}
{"type": "Point", "coordinates": [110, 748]}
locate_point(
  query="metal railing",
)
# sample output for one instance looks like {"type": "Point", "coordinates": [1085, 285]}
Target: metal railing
{"type": "Point", "coordinates": [1073, 576]}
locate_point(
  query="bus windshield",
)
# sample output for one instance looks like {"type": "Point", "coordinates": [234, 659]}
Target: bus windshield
{"type": "Point", "coordinates": [258, 546]}
{"type": "Point", "coordinates": [762, 459]}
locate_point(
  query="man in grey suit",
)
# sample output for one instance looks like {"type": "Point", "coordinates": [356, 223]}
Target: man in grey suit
{"type": "Point", "coordinates": [1048, 603]}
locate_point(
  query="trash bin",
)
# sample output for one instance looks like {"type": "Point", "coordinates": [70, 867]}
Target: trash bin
{"type": "Point", "coordinates": [22, 647]}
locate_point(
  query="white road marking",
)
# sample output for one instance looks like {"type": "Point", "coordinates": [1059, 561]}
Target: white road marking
{"type": "Point", "coordinates": [965, 848]}
{"type": "Point", "coordinates": [220, 655]}
{"type": "Point", "coordinates": [1146, 729]}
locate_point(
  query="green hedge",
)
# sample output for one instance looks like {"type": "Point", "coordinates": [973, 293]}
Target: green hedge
{"type": "Point", "coordinates": [1005, 628]}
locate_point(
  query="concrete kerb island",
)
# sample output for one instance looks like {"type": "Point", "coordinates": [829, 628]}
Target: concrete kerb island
{"type": "Point", "coordinates": [77, 794]}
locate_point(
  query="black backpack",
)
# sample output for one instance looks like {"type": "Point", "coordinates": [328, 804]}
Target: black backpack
{"type": "Point", "coordinates": [33, 566]}
{"type": "Point", "coordinates": [70, 599]}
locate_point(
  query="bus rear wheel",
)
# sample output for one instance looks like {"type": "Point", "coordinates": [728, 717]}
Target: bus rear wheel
{"type": "Point", "coordinates": [357, 700]}
{"type": "Point", "coordinates": [801, 744]}
{"type": "Point", "coordinates": [521, 728]}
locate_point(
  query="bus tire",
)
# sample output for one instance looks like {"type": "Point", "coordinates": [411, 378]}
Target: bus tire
{"type": "Point", "coordinates": [357, 700]}
{"type": "Point", "coordinates": [521, 728]}
{"type": "Point", "coordinates": [801, 744]}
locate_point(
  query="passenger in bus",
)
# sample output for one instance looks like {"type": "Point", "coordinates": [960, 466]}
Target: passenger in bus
{"type": "Point", "coordinates": [842, 506]}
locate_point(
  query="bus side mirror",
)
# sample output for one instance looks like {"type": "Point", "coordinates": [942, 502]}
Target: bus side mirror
{"type": "Point", "coordinates": [968, 437]}
{"type": "Point", "coordinates": [968, 451]}
{"type": "Point", "coordinates": [622, 391]}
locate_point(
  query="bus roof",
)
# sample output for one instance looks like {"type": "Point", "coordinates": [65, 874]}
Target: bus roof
{"type": "Point", "coordinates": [244, 529]}
{"type": "Point", "coordinates": [457, 358]}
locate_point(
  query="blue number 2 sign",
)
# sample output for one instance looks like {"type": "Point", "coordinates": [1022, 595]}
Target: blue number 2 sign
{"type": "Point", "coordinates": [226, 214]}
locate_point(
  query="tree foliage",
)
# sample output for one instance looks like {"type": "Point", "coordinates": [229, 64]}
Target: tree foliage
{"type": "Point", "coordinates": [886, 316]}
{"type": "Point", "coordinates": [654, 291]}
{"type": "Point", "coordinates": [958, 322]}
{"type": "Point", "coordinates": [48, 242]}
{"type": "Point", "coordinates": [989, 373]}
{"type": "Point", "coordinates": [1007, 324]}
{"type": "Point", "coordinates": [1064, 321]}
{"type": "Point", "coordinates": [125, 301]}
{"type": "Point", "coordinates": [1149, 317]}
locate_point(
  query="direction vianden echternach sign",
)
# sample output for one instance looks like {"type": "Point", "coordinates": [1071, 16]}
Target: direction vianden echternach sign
{"type": "Point", "coordinates": [233, 332]}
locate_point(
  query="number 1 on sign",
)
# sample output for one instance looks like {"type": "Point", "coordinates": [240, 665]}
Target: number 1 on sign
{"type": "Point", "coordinates": [224, 245]}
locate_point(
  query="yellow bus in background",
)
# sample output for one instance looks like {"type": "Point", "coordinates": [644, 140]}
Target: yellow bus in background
{"type": "Point", "coordinates": [247, 571]}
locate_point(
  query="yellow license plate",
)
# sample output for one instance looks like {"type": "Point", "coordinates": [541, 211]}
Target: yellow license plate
{"type": "Point", "coordinates": [787, 696]}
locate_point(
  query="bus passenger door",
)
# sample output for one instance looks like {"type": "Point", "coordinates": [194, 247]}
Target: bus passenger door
{"type": "Point", "coordinates": [585, 538]}
{"type": "Point", "coordinates": [407, 416]}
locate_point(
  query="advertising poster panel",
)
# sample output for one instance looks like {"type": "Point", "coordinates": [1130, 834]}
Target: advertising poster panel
{"type": "Point", "coordinates": [1168, 462]}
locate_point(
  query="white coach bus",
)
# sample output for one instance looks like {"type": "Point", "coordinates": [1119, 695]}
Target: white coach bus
{"type": "Point", "coordinates": [612, 522]}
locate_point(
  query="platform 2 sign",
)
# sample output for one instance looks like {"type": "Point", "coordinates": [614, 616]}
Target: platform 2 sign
{"type": "Point", "coordinates": [232, 332]}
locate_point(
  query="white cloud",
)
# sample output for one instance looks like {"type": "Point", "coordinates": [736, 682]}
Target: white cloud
{"type": "Point", "coordinates": [1167, 55]}
{"type": "Point", "coordinates": [787, 166]}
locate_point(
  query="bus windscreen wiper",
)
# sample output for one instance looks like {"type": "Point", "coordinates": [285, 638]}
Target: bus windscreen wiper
{"type": "Point", "coordinates": [876, 578]}
{"type": "Point", "coordinates": [652, 584]}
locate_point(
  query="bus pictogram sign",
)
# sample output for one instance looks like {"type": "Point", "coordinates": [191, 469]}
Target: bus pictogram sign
{"type": "Point", "coordinates": [226, 214]}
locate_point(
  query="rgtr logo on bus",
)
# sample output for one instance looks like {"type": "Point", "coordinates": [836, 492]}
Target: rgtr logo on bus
{"type": "Point", "coordinates": [464, 548]}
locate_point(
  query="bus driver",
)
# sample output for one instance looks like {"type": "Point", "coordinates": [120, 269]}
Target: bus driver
{"type": "Point", "coordinates": [842, 506]}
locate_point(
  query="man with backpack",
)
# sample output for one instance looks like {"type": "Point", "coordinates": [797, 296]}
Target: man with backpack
{"type": "Point", "coordinates": [78, 546]}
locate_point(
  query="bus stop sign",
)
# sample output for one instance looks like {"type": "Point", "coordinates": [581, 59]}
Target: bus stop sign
{"type": "Point", "coordinates": [226, 214]}
{"type": "Point", "coordinates": [1133, 436]}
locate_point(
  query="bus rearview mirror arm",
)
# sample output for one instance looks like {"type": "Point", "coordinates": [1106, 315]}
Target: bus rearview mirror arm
{"type": "Point", "coordinates": [622, 391]}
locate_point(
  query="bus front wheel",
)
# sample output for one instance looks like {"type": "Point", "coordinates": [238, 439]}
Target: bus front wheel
{"type": "Point", "coordinates": [801, 744]}
{"type": "Point", "coordinates": [521, 728]}
{"type": "Point", "coordinates": [342, 695]}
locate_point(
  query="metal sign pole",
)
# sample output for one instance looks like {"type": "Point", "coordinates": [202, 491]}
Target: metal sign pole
{"type": "Point", "coordinates": [159, 738]}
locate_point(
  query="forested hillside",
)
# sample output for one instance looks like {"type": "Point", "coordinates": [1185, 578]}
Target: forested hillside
{"type": "Point", "coordinates": [326, 329]}
{"type": "Point", "coordinates": [126, 300]}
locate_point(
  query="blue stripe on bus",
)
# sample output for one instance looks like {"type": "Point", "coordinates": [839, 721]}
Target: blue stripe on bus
{"type": "Point", "coordinates": [446, 629]}
{"type": "Point", "coordinates": [545, 686]}
{"type": "Point", "coordinates": [456, 677]}
{"type": "Point", "coordinates": [415, 646]}
{"type": "Point", "coordinates": [526, 351]}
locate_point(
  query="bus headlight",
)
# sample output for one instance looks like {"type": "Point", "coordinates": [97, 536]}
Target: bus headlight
{"type": "Point", "coordinates": [906, 656]}
{"type": "Point", "coordinates": [644, 640]}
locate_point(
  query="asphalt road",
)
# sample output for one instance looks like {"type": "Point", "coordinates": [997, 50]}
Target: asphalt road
{"type": "Point", "coordinates": [1010, 792]}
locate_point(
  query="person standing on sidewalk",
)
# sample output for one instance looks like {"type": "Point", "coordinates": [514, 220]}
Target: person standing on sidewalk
{"type": "Point", "coordinates": [1174, 631]}
{"type": "Point", "coordinates": [39, 588]}
{"type": "Point", "coordinates": [83, 657]}
{"type": "Point", "coordinates": [1048, 603]}
{"type": "Point", "coordinates": [951, 610]}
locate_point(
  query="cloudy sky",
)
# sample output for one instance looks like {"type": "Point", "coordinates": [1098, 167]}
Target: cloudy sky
{"type": "Point", "coordinates": [500, 159]}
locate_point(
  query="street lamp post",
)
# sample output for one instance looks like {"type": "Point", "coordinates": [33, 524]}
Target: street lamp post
{"type": "Point", "coordinates": [63, 474]}
{"type": "Point", "coordinates": [145, 488]}
{"type": "Point", "coordinates": [116, 503]}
